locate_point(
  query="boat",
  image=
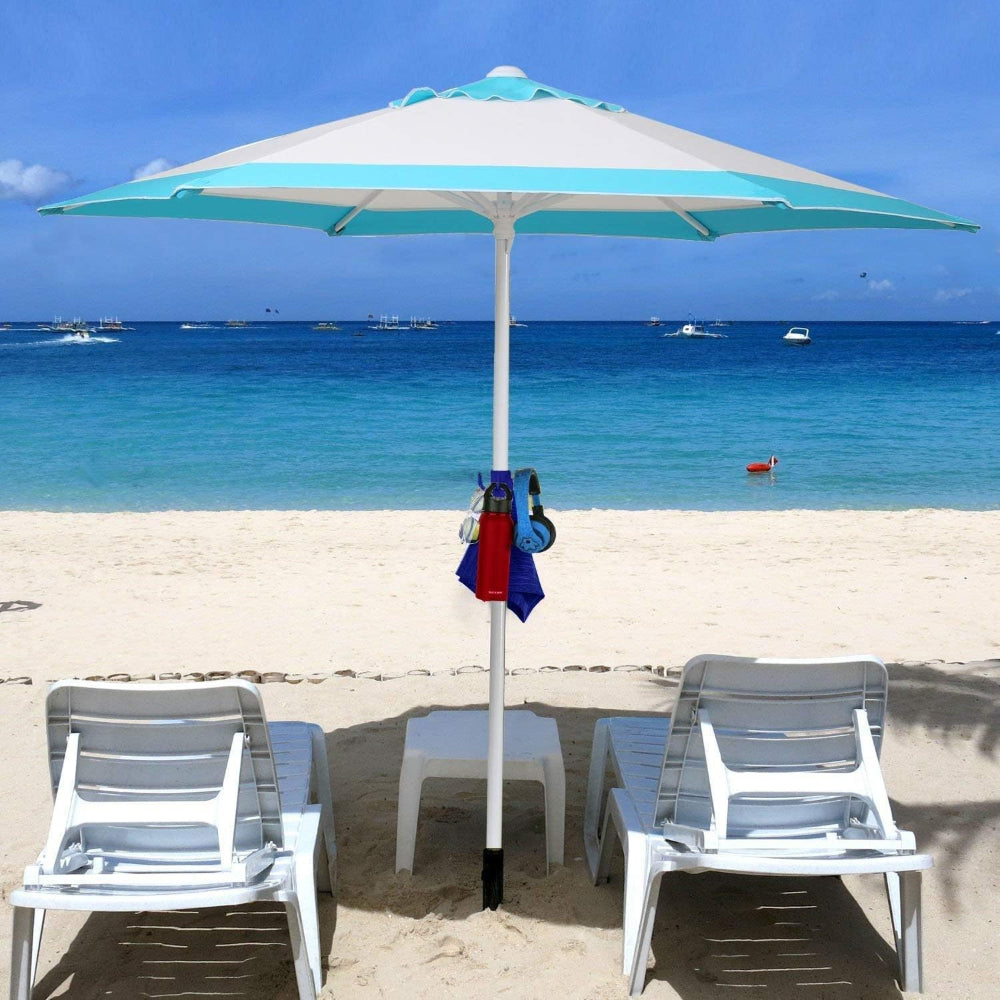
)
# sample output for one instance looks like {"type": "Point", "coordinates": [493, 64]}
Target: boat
{"type": "Point", "coordinates": [798, 335]}
{"type": "Point", "coordinates": [6, 326]}
{"type": "Point", "coordinates": [416, 323]}
{"type": "Point", "coordinates": [695, 331]}
{"type": "Point", "coordinates": [654, 321]}
{"type": "Point", "coordinates": [237, 322]}
{"type": "Point", "coordinates": [72, 327]}
{"type": "Point", "coordinates": [113, 325]}
{"type": "Point", "coordinates": [81, 334]}
{"type": "Point", "coordinates": [326, 326]}
{"type": "Point", "coordinates": [722, 322]}
{"type": "Point", "coordinates": [514, 322]}
{"type": "Point", "coordinates": [196, 326]}
{"type": "Point", "coordinates": [387, 323]}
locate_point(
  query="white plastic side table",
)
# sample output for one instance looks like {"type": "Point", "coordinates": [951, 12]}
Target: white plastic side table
{"type": "Point", "coordinates": [453, 745]}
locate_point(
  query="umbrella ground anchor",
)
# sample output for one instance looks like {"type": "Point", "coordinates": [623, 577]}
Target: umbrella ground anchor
{"type": "Point", "coordinates": [492, 877]}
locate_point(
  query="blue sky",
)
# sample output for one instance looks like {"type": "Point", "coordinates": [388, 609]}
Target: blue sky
{"type": "Point", "coordinates": [902, 97]}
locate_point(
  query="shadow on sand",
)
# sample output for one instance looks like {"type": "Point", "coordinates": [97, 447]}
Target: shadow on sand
{"type": "Point", "coordinates": [715, 934]}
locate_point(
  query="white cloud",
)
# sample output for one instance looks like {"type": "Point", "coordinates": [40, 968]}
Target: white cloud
{"type": "Point", "coordinates": [950, 294]}
{"type": "Point", "coordinates": [156, 166]}
{"type": "Point", "coordinates": [828, 296]}
{"type": "Point", "coordinates": [883, 287]}
{"type": "Point", "coordinates": [33, 184]}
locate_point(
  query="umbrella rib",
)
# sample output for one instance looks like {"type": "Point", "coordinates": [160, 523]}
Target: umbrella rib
{"type": "Point", "coordinates": [536, 202]}
{"type": "Point", "coordinates": [471, 200]}
{"type": "Point", "coordinates": [699, 227]}
{"type": "Point", "coordinates": [341, 224]}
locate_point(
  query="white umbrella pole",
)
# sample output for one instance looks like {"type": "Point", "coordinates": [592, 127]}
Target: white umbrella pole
{"type": "Point", "coordinates": [503, 236]}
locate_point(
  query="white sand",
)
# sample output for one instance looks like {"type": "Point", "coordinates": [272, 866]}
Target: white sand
{"type": "Point", "coordinates": [319, 592]}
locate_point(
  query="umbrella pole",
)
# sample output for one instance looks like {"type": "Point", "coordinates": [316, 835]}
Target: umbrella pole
{"type": "Point", "coordinates": [503, 236]}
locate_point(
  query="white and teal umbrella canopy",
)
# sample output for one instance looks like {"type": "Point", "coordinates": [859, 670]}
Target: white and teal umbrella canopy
{"type": "Point", "coordinates": [454, 161]}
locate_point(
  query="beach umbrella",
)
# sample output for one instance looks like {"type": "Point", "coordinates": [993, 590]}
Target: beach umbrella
{"type": "Point", "coordinates": [505, 156]}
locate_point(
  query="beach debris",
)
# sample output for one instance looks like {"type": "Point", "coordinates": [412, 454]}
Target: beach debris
{"type": "Point", "coordinates": [19, 605]}
{"type": "Point", "coordinates": [317, 677]}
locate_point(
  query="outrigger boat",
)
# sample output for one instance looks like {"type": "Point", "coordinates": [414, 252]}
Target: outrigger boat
{"type": "Point", "coordinates": [695, 331]}
{"type": "Point", "coordinates": [109, 325]}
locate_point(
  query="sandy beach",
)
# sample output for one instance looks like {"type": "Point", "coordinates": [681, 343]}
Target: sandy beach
{"type": "Point", "coordinates": [344, 598]}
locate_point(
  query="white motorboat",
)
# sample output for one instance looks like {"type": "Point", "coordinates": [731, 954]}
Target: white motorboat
{"type": "Point", "coordinates": [197, 326]}
{"type": "Point", "coordinates": [798, 335]}
{"type": "Point", "coordinates": [387, 323]}
{"type": "Point", "coordinates": [654, 321]}
{"type": "Point", "coordinates": [695, 331]}
{"type": "Point", "coordinates": [514, 322]}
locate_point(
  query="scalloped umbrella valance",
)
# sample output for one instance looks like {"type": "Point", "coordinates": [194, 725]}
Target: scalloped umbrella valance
{"type": "Point", "coordinates": [505, 156]}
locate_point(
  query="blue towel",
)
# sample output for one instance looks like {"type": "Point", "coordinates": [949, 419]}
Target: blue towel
{"type": "Point", "coordinates": [525, 588]}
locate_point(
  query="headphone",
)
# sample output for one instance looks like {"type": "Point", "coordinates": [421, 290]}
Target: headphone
{"type": "Point", "coordinates": [535, 532]}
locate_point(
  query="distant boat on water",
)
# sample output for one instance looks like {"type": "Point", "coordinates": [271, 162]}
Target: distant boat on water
{"type": "Point", "coordinates": [514, 322]}
{"type": "Point", "coordinates": [73, 326]}
{"type": "Point", "coordinates": [326, 326]}
{"type": "Point", "coordinates": [196, 326]}
{"type": "Point", "coordinates": [722, 322]}
{"type": "Point", "coordinates": [386, 322]}
{"type": "Point", "coordinates": [798, 335]}
{"type": "Point", "coordinates": [113, 325]}
{"type": "Point", "coordinates": [695, 331]}
{"type": "Point", "coordinates": [237, 322]}
{"type": "Point", "coordinates": [416, 323]}
{"type": "Point", "coordinates": [654, 321]}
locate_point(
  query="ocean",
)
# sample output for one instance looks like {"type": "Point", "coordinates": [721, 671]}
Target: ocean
{"type": "Point", "coordinates": [611, 414]}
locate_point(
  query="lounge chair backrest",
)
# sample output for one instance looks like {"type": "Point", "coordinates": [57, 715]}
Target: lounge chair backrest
{"type": "Point", "coordinates": [167, 742]}
{"type": "Point", "coordinates": [778, 715]}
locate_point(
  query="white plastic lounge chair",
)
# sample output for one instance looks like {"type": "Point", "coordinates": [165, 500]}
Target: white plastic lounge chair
{"type": "Point", "coordinates": [179, 796]}
{"type": "Point", "coordinates": [765, 767]}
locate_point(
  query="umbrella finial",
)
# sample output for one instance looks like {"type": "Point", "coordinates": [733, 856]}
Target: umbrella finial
{"type": "Point", "coordinates": [507, 71]}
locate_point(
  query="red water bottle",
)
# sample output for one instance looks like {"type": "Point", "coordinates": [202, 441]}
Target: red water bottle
{"type": "Point", "coordinates": [496, 535]}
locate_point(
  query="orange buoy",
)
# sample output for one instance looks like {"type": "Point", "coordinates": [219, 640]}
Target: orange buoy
{"type": "Point", "coordinates": [763, 466]}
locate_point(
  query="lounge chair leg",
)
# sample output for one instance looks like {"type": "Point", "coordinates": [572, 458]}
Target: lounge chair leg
{"type": "Point", "coordinates": [36, 942]}
{"type": "Point", "coordinates": [300, 955]}
{"type": "Point", "coordinates": [640, 957]}
{"type": "Point", "coordinates": [411, 779]}
{"type": "Point", "coordinates": [305, 891]}
{"type": "Point", "coordinates": [595, 787]}
{"type": "Point", "coordinates": [555, 811]}
{"type": "Point", "coordinates": [607, 848]}
{"type": "Point", "coordinates": [20, 953]}
{"type": "Point", "coordinates": [903, 890]}
{"type": "Point", "coordinates": [636, 868]}
{"type": "Point", "coordinates": [326, 876]}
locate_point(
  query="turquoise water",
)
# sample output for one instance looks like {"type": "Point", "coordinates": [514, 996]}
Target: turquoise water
{"type": "Point", "coordinates": [871, 415]}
